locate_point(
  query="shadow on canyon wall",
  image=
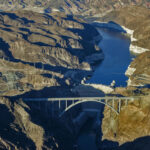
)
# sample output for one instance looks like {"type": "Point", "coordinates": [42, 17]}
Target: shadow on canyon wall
{"type": "Point", "coordinates": [19, 138]}
{"type": "Point", "coordinates": [39, 65]}
{"type": "Point", "coordinates": [60, 92]}
{"type": "Point", "coordinates": [46, 92]}
{"type": "Point", "coordinates": [110, 25]}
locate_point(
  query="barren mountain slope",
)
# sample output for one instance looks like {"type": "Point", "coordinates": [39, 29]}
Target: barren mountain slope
{"type": "Point", "coordinates": [134, 18]}
{"type": "Point", "coordinates": [141, 75]}
{"type": "Point", "coordinates": [86, 7]}
{"type": "Point", "coordinates": [38, 50]}
{"type": "Point", "coordinates": [130, 128]}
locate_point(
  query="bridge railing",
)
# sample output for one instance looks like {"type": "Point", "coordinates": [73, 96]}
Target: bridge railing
{"type": "Point", "coordinates": [78, 98]}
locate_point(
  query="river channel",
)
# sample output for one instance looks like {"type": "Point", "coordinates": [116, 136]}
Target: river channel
{"type": "Point", "coordinates": [115, 46]}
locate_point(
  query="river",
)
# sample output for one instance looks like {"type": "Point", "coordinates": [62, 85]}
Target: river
{"type": "Point", "coordinates": [117, 58]}
{"type": "Point", "coordinates": [115, 46]}
{"type": "Point", "coordinates": [87, 138]}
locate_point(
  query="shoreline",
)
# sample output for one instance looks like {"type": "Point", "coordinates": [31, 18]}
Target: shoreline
{"type": "Point", "coordinates": [133, 48]}
{"type": "Point", "coordinates": [136, 51]}
{"type": "Point", "coordinates": [108, 89]}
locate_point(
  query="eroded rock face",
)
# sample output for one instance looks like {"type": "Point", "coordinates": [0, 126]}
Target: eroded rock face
{"type": "Point", "coordinates": [131, 125]}
{"type": "Point", "coordinates": [38, 49]}
{"type": "Point", "coordinates": [40, 56]}
{"type": "Point", "coordinates": [33, 37]}
{"type": "Point", "coordinates": [140, 74]}
{"type": "Point", "coordinates": [18, 131]}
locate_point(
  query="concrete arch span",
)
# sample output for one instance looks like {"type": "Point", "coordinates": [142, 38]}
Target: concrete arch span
{"type": "Point", "coordinates": [84, 101]}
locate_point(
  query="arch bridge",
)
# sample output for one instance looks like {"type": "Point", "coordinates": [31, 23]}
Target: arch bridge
{"type": "Point", "coordinates": [64, 104]}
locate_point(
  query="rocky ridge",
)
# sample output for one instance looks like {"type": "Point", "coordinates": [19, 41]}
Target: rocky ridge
{"type": "Point", "coordinates": [92, 8]}
{"type": "Point", "coordinates": [39, 48]}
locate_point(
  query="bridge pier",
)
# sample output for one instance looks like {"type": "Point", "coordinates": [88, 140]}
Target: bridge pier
{"type": "Point", "coordinates": [52, 109]}
{"type": "Point", "coordinates": [106, 101]}
{"type": "Point", "coordinates": [66, 104]}
{"type": "Point", "coordinates": [113, 103]}
{"type": "Point", "coordinates": [126, 102]}
{"type": "Point", "coordinates": [119, 107]}
{"type": "Point", "coordinates": [45, 108]}
{"type": "Point", "coordinates": [59, 105]}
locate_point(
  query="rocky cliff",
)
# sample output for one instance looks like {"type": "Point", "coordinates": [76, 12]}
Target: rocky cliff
{"type": "Point", "coordinates": [140, 74]}
{"type": "Point", "coordinates": [41, 52]}
{"type": "Point", "coordinates": [22, 128]}
{"type": "Point", "coordinates": [129, 129]}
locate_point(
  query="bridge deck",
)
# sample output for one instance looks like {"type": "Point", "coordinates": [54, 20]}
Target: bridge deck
{"type": "Point", "coordinates": [78, 98]}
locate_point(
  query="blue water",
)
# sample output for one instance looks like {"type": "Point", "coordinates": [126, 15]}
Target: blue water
{"type": "Point", "coordinates": [87, 138]}
{"type": "Point", "coordinates": [87, 141]}
{"type": "Point", "coordinates": [117, 59]}
{"type": "Point", "coordinates": [115, 47]}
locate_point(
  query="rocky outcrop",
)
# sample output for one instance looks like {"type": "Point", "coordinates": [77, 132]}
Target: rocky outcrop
{"type": "Point", "coordinates": [139, 70]}
{"type": "Point", "coordinates": [25, 127]}
{"type": "Point", "coordinates": [134, 48]}
{"type": "Point", "coordinates": [137, 50]}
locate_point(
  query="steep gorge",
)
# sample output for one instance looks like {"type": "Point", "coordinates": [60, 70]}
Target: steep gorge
{"type": "Point", "coordinates": [28, 37]}
{"type": "Point", "coordinates": [40, 56]}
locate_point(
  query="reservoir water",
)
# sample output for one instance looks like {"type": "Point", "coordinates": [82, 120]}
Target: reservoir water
{"type": "Point", "coordinates": [115, 46]}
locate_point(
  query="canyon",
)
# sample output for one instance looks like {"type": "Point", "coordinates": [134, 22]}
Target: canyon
{"type": "Point", "coordinates": [51, 49]}
{"type": "Point", "coordinates": [48, 48]}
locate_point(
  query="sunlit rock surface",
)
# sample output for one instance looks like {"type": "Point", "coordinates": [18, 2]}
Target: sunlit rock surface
{"type": "Point", "coordinates": [132, 123]}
